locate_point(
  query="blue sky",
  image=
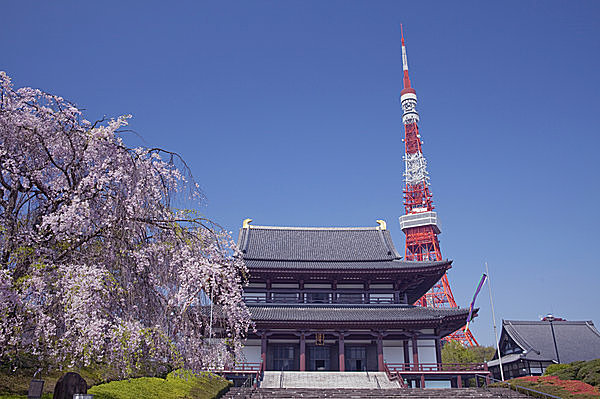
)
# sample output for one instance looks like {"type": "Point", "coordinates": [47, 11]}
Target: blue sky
{"type": "Point", "coordinates": [287, 112]}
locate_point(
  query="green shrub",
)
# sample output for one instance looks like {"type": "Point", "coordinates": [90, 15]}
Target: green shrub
{"type": "Point", "coordinates": [553, 368]}
{"type": "Point", "coordinates": [588, 372]}
{"type": "Point", "coordinates": [178, 384]}
{"type": "Point", "coordinates": [552, 385]}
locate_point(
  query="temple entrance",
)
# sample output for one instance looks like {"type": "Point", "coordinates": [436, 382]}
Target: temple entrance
{"type": "Point", "coordinates": [283, 357]}
{"type": "Point", "coordinates": [319, 358]}
{"type": "Point", "coordinates": [356, 358]}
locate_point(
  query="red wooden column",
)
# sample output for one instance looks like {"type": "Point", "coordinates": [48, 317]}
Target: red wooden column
{"type": "Point", "coordinates": [438, 351]}
{"type": "Point", "coordinates": [415, 353]}
{"type": "Point", "coordinates": [341, 349]}
{"type": "Point", "coordinates": [302, 352]}
{"type": "Point", "coordinates": [406, 354]}
{"type": "Point", "coordinates": [380, 365]}
{"type": "Point", "coordinates": [263, 349]}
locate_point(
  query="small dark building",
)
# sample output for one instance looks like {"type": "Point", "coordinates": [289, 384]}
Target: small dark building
{"type": "Point", "coordinates": [528, 347]}
{"type": "Point", "coordinates": [339, 299]}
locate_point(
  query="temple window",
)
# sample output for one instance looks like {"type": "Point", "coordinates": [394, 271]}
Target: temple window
{"type": "Point", "coordinates": [284, 297]}
{"type": "Point", "coordinates": [387, 297]}
{"type": "Point", "coordinates": [350, 298]}
{"type": "Point", "coordinates": [253, 297]}
{"type": "Point", "coordinates": [284, 285]}
{"type": "Point", "coordinates": [253, 284]}
{"type": "Point", "coordinates": [350, 286]}
{"type": "Point", "coordinates": [317, 285]}
{"type": "Point", "coordinates": [318, 297]}
{"type": "Point", "coordinates": [379, 286]}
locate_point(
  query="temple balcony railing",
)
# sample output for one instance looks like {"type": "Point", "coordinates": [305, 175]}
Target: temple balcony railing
{"type": "Point", "coordinates": [436, 367]}
{"type": "Point", "coordinates": [251, 372]}
{"type": "Point", "coordinates": [408, 373]}
{"type": "Point", "coordinates": [255, 300]}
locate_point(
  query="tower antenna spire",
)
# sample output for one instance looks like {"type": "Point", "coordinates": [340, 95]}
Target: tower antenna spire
{"type": "Point", "coordinates": [420, 222]}
{"type": "Point", "coordinates": [404, 61]}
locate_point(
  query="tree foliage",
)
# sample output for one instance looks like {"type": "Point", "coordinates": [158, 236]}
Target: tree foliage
{"type": "Point", "coordinates": [95, 264]}
{"type": "Point", "coordinates": [455, 352]}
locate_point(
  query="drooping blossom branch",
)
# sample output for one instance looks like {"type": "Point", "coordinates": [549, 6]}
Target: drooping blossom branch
{"type": "Point", "coordinates": [95, 263]}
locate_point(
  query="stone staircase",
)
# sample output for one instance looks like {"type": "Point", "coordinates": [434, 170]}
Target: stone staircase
{"type": "Point", "coordinates": [350, 385]}
{"type": "Point", "coordinates": [327, 379]}
{"type": "Point", "coordinates": [316, 393]}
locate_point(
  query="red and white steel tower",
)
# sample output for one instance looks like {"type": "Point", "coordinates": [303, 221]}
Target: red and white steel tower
{"type": "Point", "coordinates": [420, 222]}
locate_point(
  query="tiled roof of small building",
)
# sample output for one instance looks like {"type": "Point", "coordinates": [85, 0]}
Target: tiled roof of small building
{"type": "Point", "coordinates": [575, 340]}
{"type": "Point", "coordinates": [317, 244]}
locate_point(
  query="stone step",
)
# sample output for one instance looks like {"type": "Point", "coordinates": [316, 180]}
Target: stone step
{"type": "Point", "coordinates": [328, 380]}
{"type": "Point", "coordinates": [313, 393]}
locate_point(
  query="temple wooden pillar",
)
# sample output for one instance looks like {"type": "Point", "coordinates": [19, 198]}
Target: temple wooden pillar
{"type": "Point", "coordinates": [263, 349]}
{"type": "Point", "coordinates": [438, 351]}
{"type": "Point", "coordinates": [341, 350]}
{"type": "Point", "coordinates": [415, 353]}
{"type": "Point", "coordinates": [302, 352]}
{"type": "Point", "coordinates": [406, 354]}
{"type": "Point", "coordinates": [380, 365]}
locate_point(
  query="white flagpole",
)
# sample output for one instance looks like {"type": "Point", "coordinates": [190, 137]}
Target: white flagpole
{"type": "Point", "coordinates": [494, 318]}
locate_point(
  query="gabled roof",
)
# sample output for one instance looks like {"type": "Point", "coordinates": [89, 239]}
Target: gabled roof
{"type": "Point", "coordinates": [337, 244]}
{"type": "Point", "coordinates": [575, 340]}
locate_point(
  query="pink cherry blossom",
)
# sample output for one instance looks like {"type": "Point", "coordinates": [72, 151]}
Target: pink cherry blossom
{"type": "Point", "coordinates": [96, 263]}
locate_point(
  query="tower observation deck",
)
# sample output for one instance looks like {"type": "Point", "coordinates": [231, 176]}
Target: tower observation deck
{"type": "Point", "coordinates": [420, 223]}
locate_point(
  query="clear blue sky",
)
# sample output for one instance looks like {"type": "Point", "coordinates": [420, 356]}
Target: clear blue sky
{"type": "Point", "coordinates": [287, 112]}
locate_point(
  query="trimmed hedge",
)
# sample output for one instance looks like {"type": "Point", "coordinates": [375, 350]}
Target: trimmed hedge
{"type": "Point", "coordinates": [554, 386]}
{"type": "Point", "coordinates": [588, 372]}
{"type": "Point", "coordinates": [177, 385]}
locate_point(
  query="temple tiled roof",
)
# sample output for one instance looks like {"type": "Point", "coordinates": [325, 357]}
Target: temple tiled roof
{"type": "Point", "coordinates": [303, 252]}
{"type": "Point", "coordinates": [350, 313]}
{"type": "Point", "coordinates": [319, 265]}
{"type": "Point", "coordinates": [575, 340]}
{"type": "Point", "coordinates": [346, 244]}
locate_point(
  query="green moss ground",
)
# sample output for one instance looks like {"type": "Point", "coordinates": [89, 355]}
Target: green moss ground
{"type": "Point", "coordinates": [177, 385]}
{"type": "Point", "coordinates": [17, 382]}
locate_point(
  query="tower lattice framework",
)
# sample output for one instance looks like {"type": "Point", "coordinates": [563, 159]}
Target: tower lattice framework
{"type": "Point", "coordinates": [420, 222]}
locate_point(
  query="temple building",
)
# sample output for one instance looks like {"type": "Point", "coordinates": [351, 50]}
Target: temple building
{"type": "Point", "coordinates": [339, 299]}
{"type": "Point", "coordinates": [528, 347]}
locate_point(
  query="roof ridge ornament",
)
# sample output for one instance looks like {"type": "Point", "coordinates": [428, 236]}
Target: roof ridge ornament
{"type": "Point", "coordinates": [382, 224]}
{"type": "Point", "coordinates": [246, 223]}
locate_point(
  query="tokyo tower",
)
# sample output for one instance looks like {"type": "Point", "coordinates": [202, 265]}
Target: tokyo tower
{"type": "Point", "coordinates": [420, 222]}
